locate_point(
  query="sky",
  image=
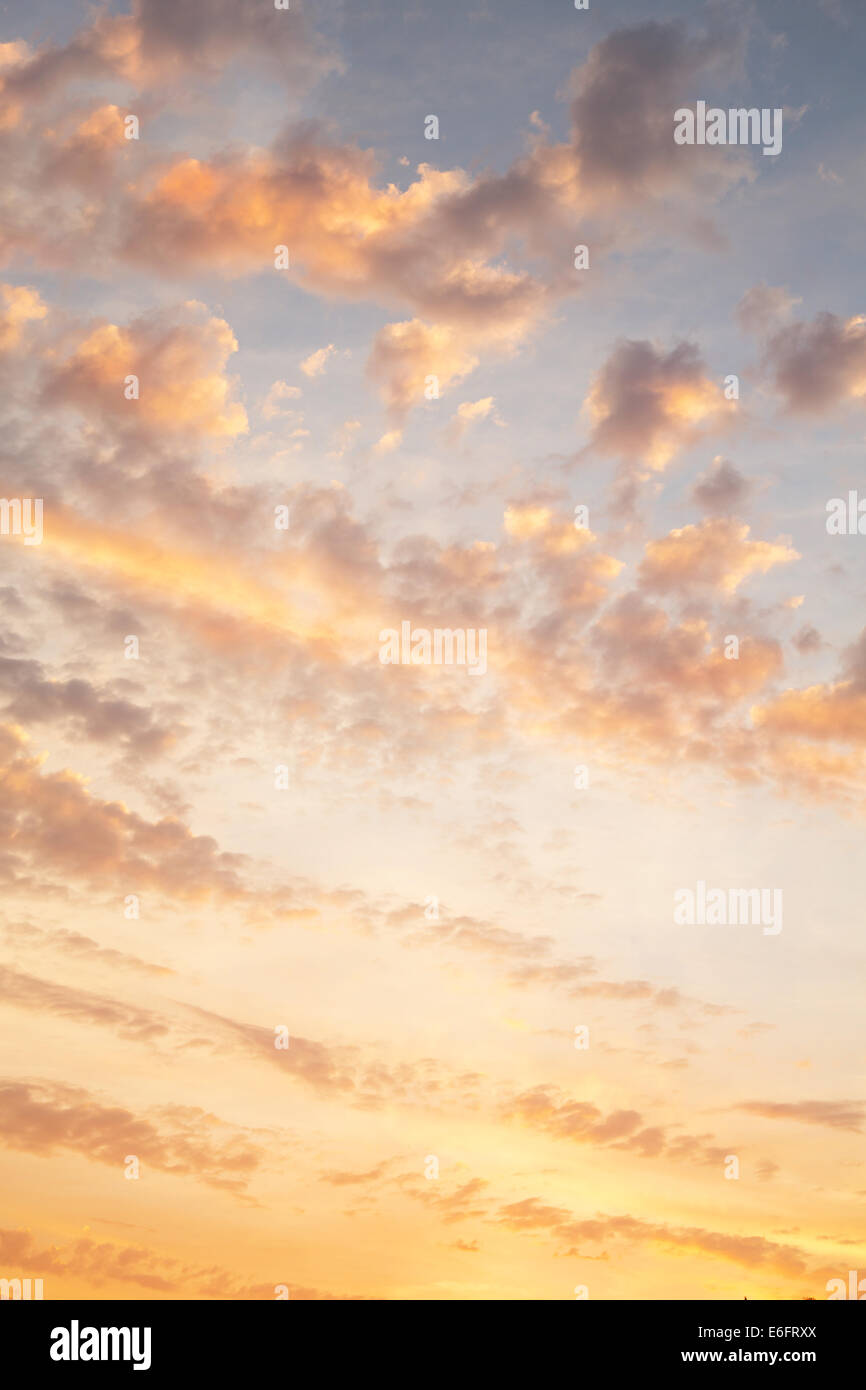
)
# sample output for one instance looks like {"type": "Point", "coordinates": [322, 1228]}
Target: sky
{"type": "Point", "coordinates": [326, 976]}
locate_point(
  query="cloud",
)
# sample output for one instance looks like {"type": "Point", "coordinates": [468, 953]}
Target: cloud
{"type": "Point", "coordinates": [722, 490]}
{"type": "Point", "coordinates": [82, 949]}
{"type": "Point", "coordinates": [544, 1107]}
{"type": "Point", "coordinates": [100, 1262]}
{"type": "Point", "coordinates": [831, 712]}
{"type": "Point", "coordinates": [328, 1070]}
{"type": "Point", "coordinates": [475, 410]}
{"type": "Point", "coordinates": [717, 554]}
{"type": "Point", "coordinates": [315, 364]}
{"type": "Point", "coordinates": [643, 651]}
{"type": "Point", "coordinates": [808, 639]}
{"type": "Point", "coordinates": [460, 1205]}
{"type": "Point", "coordinates": [351, 1179]}
{"type": "Point", "coordinates": [180, 370]}
{"type": "Point", "coordinates": [541, 575]}
{"type": "Point", "coordinates": [834, 712]}
{"type": "Point", "coordinates": [406, 357]}
{"type": "Point", "coordinates": [437, 248]}
{"type": "Point", "coordinates": [279, 391]}
{"type": "Point", "coordinates": [832, 1114]}
{"type": "Point", "coordinates": [764, 308]}
{"type": "Point", "coordinates": [349, 1074]}
{"type": "Point", "coordinates": [21, 305]}
{"type": "Point", "coordinates": [564, 561]}
{"type": "Point", "coordinates": [748, 1251]}
{"type": "Point", "coordinates": [50, 819]}
{"type": "Point", "coordinates": [623, 112]}
{"type": "Point", "coordinates": [161, 42]}
{"type": "Point", "coordinates": [818, 366]}
{"type": "Point", "coordinates": [190, 577]}
{"type": "Point", "coordinates": [467, 413]}
{"type": "Point", "coordinates": [433, 244]}
{"type": "Point", "coordinates": [527, 520]}
{"type": "Point", "coordinates": [388, 442]}
{"type": "Point", "coordinates": [345, 438]}
{"type": "Point", "coordinates": [87, 158]}
{"type": "Point", "coordinates": [645, 404]}
{"type": "Point", "coordinates": [47, 997]}
{"type": "Point", "coordinates": [40, 1117]}
{"type": "Point", "coordinates": [630, 686]}
{"type": "Point", "coordinates": [346, 237]}
{"type": "Point", "coordinates": [261, 646]}
{"type": "Point", "coordinates": [104, 1262]}
{"type": "Point", "coordinates": [34, 698]}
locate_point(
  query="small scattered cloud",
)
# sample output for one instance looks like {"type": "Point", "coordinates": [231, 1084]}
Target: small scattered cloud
{"type": "Point", "coordinates": [274, 403]}
{"type": "Point", "coordinates": [315, 364]}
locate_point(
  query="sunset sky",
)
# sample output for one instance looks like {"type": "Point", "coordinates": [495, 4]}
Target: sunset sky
{"type": "Point", "coordinates": [254, 824]}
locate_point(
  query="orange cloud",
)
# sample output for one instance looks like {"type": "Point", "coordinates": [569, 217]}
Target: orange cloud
{"type": "Point", "coordinates": [53, 819]}
{"type": "Point", "coordinates": [87, 157]}
{"type": "Point", "coordinates": [40, 1117]}
{"type": "Point", "coordinates": [834, 1114]}
{"type": "Point", "coordinates": [717, 554]}
{"type": "Point", "coordinates": [180, 370]}
{"type": "Point", "coordinates": [409, 359]}
{"type": "Point", "coordinates": [823, 712]}
{"type": "Point", "coordinates": [315, 364]}
{"type": "Point", "coordinates": [21, 305]}
{"type": "Point", "coordinates": [156, 44]}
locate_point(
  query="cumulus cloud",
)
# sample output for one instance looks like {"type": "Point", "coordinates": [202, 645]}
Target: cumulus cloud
{"type": "Point", "coordinates": [180, 365]}
{"type": "Point", "coordinates": [623, 111]}
{"type": "Point", "coordinates": [315, 364]}
{"type": "Point", "coordinates": [830, 712]}
{"type": "Point", "coordinates": [405, 358]}
{"type": "Point", "coordinates": [346, 236]}
{"type": "Point", "coordinates": [87, 158]}
{"type": "Point", "coordinates": [160, 42]}
{"type": "Point", "coordinates": [278, 392]}
{"type": "Point", "coordinates": [721, 490]}
{"type": "Point", "coordinates": [574, 572]}
{"type": "Point", "coordinates": [818, 366]}
{"type": "Point", "coordinates": [717, 554]}
{"type": "Point", "coordinates": [21, 305]}
{"type": "Point", "coordinates": [764, 308]}
{"type": "Point", "coordinates": [659, 666]}
{"type": "Point", "coordinates": [344, 439]}
{"type": "Point", "coordinates": [808, 639]}
{"type": "Point", "coordinates": [467, 413]}
{"type": "Point", "coordinates": [388, 442]}
{"type": "Point", "coordinates": [645, 404]}
{"type": "Point", "coordinates": [437, 248]}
